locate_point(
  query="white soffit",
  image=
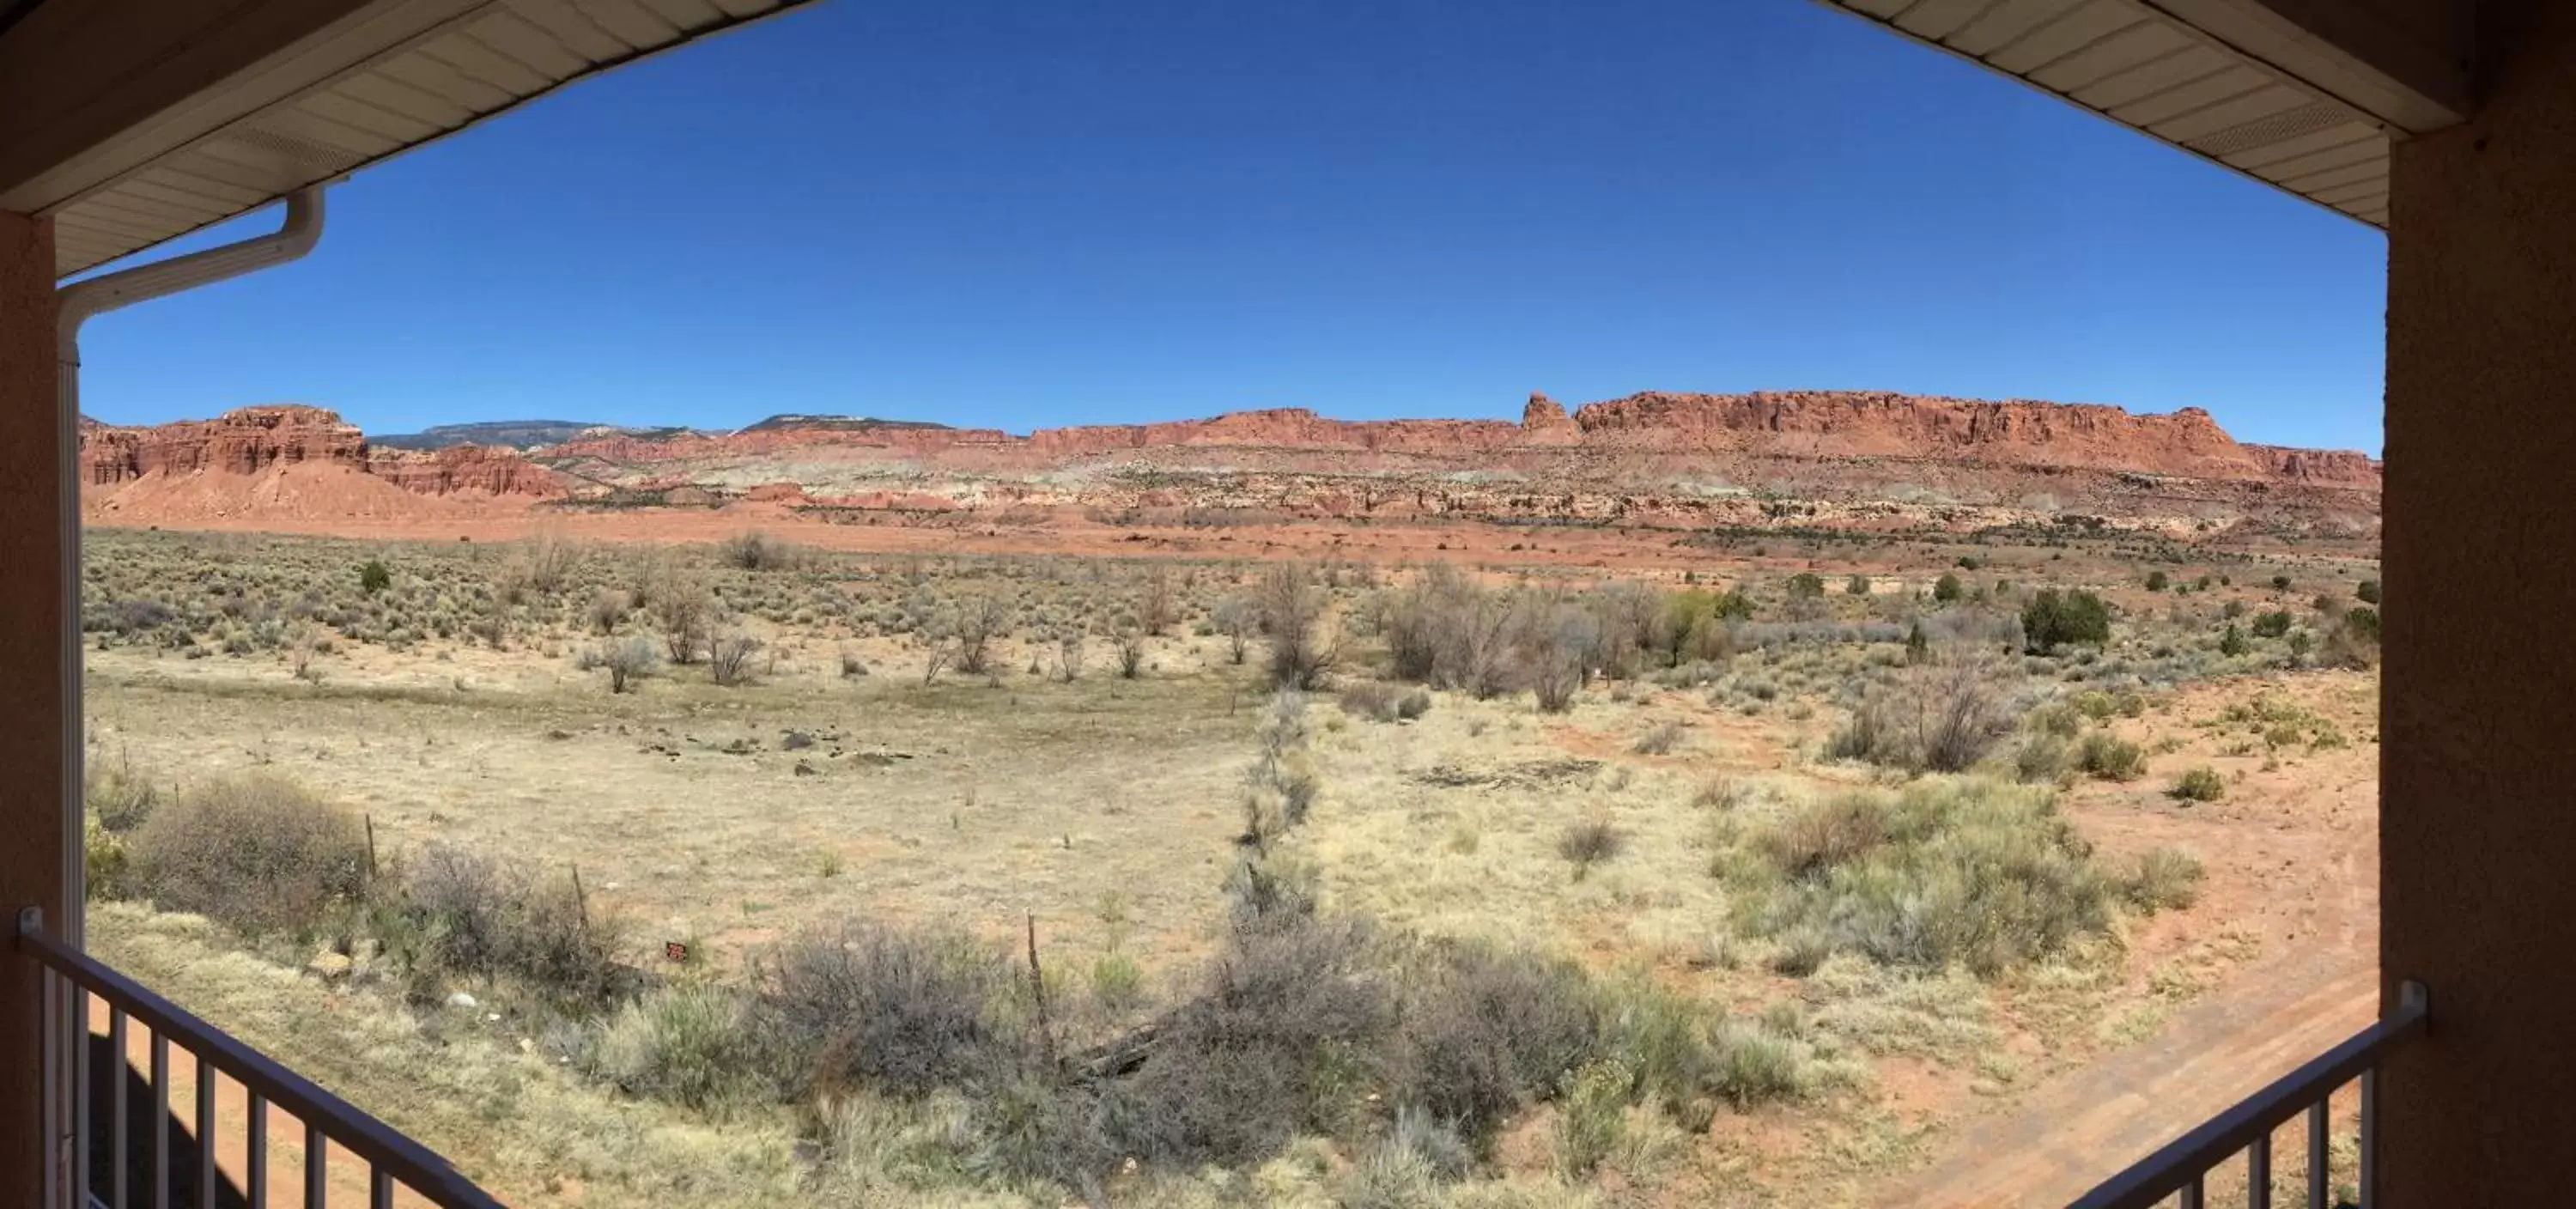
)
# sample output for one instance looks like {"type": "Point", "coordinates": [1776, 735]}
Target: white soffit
{"type": "Point", "coordinates": [404, 75]}
{"type": "Point", "coordinates": [2225, 99]}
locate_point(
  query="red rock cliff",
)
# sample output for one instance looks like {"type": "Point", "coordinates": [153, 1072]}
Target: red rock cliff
{"type": "Point", "coordinates": [251, 439]}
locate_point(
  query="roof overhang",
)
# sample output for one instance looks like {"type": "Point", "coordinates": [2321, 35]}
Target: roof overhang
{"type": "Point", "coordinates": [136, 121]}
{"type": "Point", "coordinates": [2304, 95]}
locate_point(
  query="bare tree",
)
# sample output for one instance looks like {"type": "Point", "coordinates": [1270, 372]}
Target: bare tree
{"type": "Point", "coordinates": [1292, 615]}
{"type": "Point", "coordinates": [551, 558]}
{"type": "Point", "coordinates": [977, 620]}
{"type": "Point", "coordinates": [1131, 652]}
{"type": "Point", "coordinates": [1068, 654]}
{"type": "Point", "coordinates": [687, 614]}
{"type": "Point", "coordinates": [1156, 606]}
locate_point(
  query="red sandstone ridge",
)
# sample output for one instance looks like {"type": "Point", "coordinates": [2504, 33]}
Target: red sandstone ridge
{"type": "Point", "coordinates": [253, 440]}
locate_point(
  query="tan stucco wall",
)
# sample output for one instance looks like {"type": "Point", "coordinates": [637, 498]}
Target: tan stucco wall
{"type": "Point", "coordinates": [2478, 832]}
{"type": "Point", "coordinates": [31, 661]}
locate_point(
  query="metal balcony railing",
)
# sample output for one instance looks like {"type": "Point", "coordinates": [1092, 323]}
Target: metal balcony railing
{"type": "Point", "coordinates": [74, 978]}
{"type": "Point", "coordinates": [2182, 1169]}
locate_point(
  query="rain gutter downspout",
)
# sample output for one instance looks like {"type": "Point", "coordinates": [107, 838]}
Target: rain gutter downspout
{"type": "Point", "coordinates": [75, 305]}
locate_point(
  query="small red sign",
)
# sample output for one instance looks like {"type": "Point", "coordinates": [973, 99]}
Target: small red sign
{"type": "Point", "coordinates": [675, 950]}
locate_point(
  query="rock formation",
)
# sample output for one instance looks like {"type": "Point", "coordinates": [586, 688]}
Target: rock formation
{"type": "Point", "coordinates": [252, 440]}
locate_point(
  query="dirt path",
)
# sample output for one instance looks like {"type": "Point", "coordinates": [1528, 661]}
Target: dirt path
{"type": "Point", "coordinates": [2083, 1128]}
{"type": "Point", "coordinates": [2293, 857]}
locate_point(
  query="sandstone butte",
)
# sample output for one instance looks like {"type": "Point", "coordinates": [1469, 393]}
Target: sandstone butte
{"type": "Point", "coordinates": [1636, 452]}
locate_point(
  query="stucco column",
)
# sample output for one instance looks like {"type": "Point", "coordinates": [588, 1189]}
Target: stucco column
{"type": "Point", "coordinates": [33, 734]}
{"type": "Point", "coordinates": [2478, 756]}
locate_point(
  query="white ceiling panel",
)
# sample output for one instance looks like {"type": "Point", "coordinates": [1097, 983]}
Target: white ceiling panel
{"type": "Point", "coordinates": [2135, 62]}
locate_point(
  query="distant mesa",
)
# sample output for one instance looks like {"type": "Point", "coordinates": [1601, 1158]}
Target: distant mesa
{"type": "Point", "coordinates": [797, 423]}
{"type": "Point", "coordinates": [1873, 459]}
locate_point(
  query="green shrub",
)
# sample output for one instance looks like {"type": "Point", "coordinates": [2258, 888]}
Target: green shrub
{"type": "Point", "coordinates": [119, 800]}
{"type": "Point", "coordinates": [694, 1044]}
{"type": "Point", "coordinates": [2367, 591]}
{"type": "Point", "coordinates": [2199, 785]}
{"type": "Point", "coordinates": [1414, 705]}
{"type": "Point", "coordinates": [257, 852]}
{"type": "Point", "coordinates": [2165, 878]}
{"type": "Point", "coordinates": [2273, 624]}
{"type": "Point", "coordinates": [2233, 643]}
{"type": "Point", "coordinates": [1806, 585]}
{"type": "Point", "coordinates": [1589, 842]}
{"type": "Point", "coordinates": [1857, 585]}
{"type": "Point", "coordinates": [2158, 581]}
{"type": "Point", "coordinates": [1946, 589]}
{"type": "Point", "coordinates": [2053, 619]}
{"type": "Point", "coordinates": [2280, 583]}
{"type": "Point", "coordinates": [374, 577]}
{"type": "Point", "coordinates": [1592, 1116]}
{"type": "Point", "coordinates": [2108, 757]}
{"type": "Point", "coordinates": [2041, 758]}
{"type": "Point", "coordinates": [1982, 874]}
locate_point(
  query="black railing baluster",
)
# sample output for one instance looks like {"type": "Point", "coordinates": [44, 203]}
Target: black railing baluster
{"type": "Point", "coordinates": [2317, 1154]}
{"type": "Point", "coordinates": [2258, 1173]}
{"type": "Point", "coordinates": [2189, 1197]}
{"type": "Point", "coordinates": [205, 1135]}
{"type": "Point", "coordinates": [2369, 1139]}
{"type": "Point", "coordinates": [255, 1152]}
{"type": "Point", "coordinates": [160, 1119]}
{"type": "Point", "coordinates": [317, 1168]}
{"type": "Point", "coordinates": [84, 1113]}
{"type": "Point", "coordinates": [120, 1147]}
{"type": "Point", "coordinates": [380, 1189]}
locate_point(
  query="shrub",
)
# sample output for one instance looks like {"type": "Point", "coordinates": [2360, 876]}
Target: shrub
{"type": "Point", "coordinates": [1413, 705]}
{"type": "Point", "coordinates": [2233, 643]}
{"type": "Point", "coordinates": [2199, 785]}
{"type": "Point", "coordinates": [695, 1044]}
{"type": "Point", "coordinates": [756, 551]}
{"type": "Point", "coordinates": [2165, 878]}
{"type": "Point", "coordinates": [1589, 842]}
{"type": "Point", "coordinates": [686, 613]}
{"type": "Point", "coordinates": [374, 576]}
{"type": "Point", "coordinates": [1936, 717]}
{"type": "Point", "coordinates": [257, 852]}
{"type": "Point", "coordinates": [2041, 758]}
{"type": "Point", "coordinates": [2107, 757]}
{"type": "Point", "coordinates": [1857, 585]}
{"type": "Point", "coordinates": [608, 606]}
{"type": "Point", "coordinates": [1371, 699]}
{"type": "Point", "coordinates": [2273, 624]}
{"type": "Point", "coordinates": [2280, 583]}
{"type": "Point", "coordinates": [2367, 591]}
{"type": "Point", "coordinates": [1946, 589]}
{"type": "Point", "coordinates": [2052, 619]}
{"type": "Point", "coordinates": [2158, 581]}
{"type": "Point", "coordinates": [1660, 739]}
{"type": "Point", "coordinates": [1593, 1117]}
{"type": "Point", "coordinates": [118, 799]}
{"type": "Point", "coordinates": [2362, 622]}
{"type": "Point", "coordinates": [1483, 1031]}
{"type": "Point", "coordinates": [729, 657]}
{"type": "Point", "coordinates": [1270, 1047]}
{"type": "Point", "coordinates": [1806, 585]}
{"type": "Point", "coordinates": [1982, 874]}
{"type": "Point", "coordinates": [453, 913]}
{"type": "Point", "coordinates": [1131, 653]}
{"type": "Point", "coordinates": [625, 659]}
{"type": "Point", "coordinates": [859, 1007]}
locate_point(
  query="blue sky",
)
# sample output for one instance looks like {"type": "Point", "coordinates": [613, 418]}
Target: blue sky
{"type": "Point", "coordinates": [996, 213]}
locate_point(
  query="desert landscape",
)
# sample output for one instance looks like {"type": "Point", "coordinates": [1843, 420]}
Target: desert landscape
{"type": "Point", "coordinates": [1796, 798]}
